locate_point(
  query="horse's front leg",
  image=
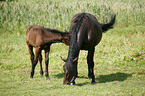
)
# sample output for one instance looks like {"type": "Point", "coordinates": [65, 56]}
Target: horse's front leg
{"type": "Point", "coordinates": [72, 82]}
{"type": "Point", "coordinates": [91, 64]}
{"type": "Point", "coordinates": [47, 62]}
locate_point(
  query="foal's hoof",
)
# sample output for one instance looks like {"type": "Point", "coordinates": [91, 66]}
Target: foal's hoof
{"type": "Point", "coordinates": [41, 73]}
{"type": "Point", "coordinates": [31, 77]}
{"type": "Point", "coordinates": [47, 78]}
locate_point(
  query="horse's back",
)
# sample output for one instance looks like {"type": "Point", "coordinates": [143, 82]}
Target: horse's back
{"type": "Point", "coordinates": [90, 32]}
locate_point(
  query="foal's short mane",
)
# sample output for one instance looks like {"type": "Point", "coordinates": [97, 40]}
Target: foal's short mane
{"type": "Point", "coordinates": [55, 31]}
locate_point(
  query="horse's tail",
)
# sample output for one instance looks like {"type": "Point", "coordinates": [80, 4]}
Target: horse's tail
{"type": "Point", "coordinates": [106, 27]}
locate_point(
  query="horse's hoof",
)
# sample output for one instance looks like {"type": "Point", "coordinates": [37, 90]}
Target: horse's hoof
{"type": "Point", "coordinates": [93, 82]}
{"type": "Point", "coordinates": [41, 75]}
{"type": "Point", "coordinates": [31, 77]}
{"type": "Point", "coordinates": [72, 83]}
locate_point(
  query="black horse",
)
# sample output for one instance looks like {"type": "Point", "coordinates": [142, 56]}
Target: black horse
{"type": "Point", "coordinates": [86, 33]}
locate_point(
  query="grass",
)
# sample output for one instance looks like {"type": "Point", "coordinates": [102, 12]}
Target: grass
{"type": "Point", "coordinates": [116, 70]}
{"type": "Point", "coordinates": [119, 58]}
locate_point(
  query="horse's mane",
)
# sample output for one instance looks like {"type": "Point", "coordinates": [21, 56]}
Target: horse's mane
{"type": "Point", "coordinates": [73, 49]}
{"type": "Point", "coordinates": [74, 32]}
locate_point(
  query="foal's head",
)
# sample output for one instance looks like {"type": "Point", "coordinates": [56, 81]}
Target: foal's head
{"type": "Point", "coordinates": [66, 38]}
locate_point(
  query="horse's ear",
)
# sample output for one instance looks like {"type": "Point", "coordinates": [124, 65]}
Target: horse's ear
{"type": "Point", "coordinates": [63, 59]}
{"type": "Point", "coordinates": [75, 59]}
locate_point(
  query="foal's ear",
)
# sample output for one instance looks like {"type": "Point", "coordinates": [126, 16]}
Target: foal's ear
{"type": "Point", "coordinates": [63, 59]}
{"type": "Point", "coordinates": [75, 59]}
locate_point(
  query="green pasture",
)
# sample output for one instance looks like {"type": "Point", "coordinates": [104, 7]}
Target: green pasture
{"type": "Point", "coordinates": [119, 58]}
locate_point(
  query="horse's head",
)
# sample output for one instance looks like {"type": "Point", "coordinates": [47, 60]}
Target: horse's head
{"type": "Point", "coordinates": [66, 38]}
{"type": "Point", "coordinates": [69, 69]}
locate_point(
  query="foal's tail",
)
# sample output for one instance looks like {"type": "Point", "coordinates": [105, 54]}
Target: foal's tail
{"type": "Point", "coordinates": [106, 27]}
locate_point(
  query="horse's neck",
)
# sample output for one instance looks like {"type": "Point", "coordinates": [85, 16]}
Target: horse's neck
{"type": "Point", "coordinates": [73, 49]}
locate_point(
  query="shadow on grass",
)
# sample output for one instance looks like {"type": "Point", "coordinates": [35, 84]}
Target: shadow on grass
{"type": "Point", "coordinates": [117, 77]}
{"type": "Point", "coordinates": [60, 75]}
{"type": "Point", "coordinates": [113, 77]}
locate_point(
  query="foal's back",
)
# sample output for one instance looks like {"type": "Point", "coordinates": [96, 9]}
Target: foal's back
{"type": "Point", "coordinates": [34, 35]}
{"type": "Point", "coordinates": [38, 36]}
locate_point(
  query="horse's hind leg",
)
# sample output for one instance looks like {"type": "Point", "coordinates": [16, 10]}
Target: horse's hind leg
{"type": "Point", "coordinates": [91, 64]}
{"type": "Point", "coordinates": [35, 61]}
{"type": "Point", "coordinates": [40, 60]}
{"type": "Point", "coordinates": [47, 62]}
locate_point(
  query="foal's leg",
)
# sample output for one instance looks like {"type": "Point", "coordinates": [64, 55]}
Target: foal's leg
{"type": "Point", "coordinates": [40, 60]}
{"type": "Point", "coordinates": [91, 64]}
{"type": "Point", "coordinates": [30, 48]}
{"type": "Point", "coordinates": [35, 61]}
{"type": "Point", "coordinates": [47, 62]}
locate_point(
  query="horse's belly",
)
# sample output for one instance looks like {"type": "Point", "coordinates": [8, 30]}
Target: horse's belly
{"type": "Point", "coordinates": [90, 43]}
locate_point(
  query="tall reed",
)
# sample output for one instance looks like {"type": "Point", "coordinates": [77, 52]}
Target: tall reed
{"type": "Point", "coordinates": [16, 16]}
